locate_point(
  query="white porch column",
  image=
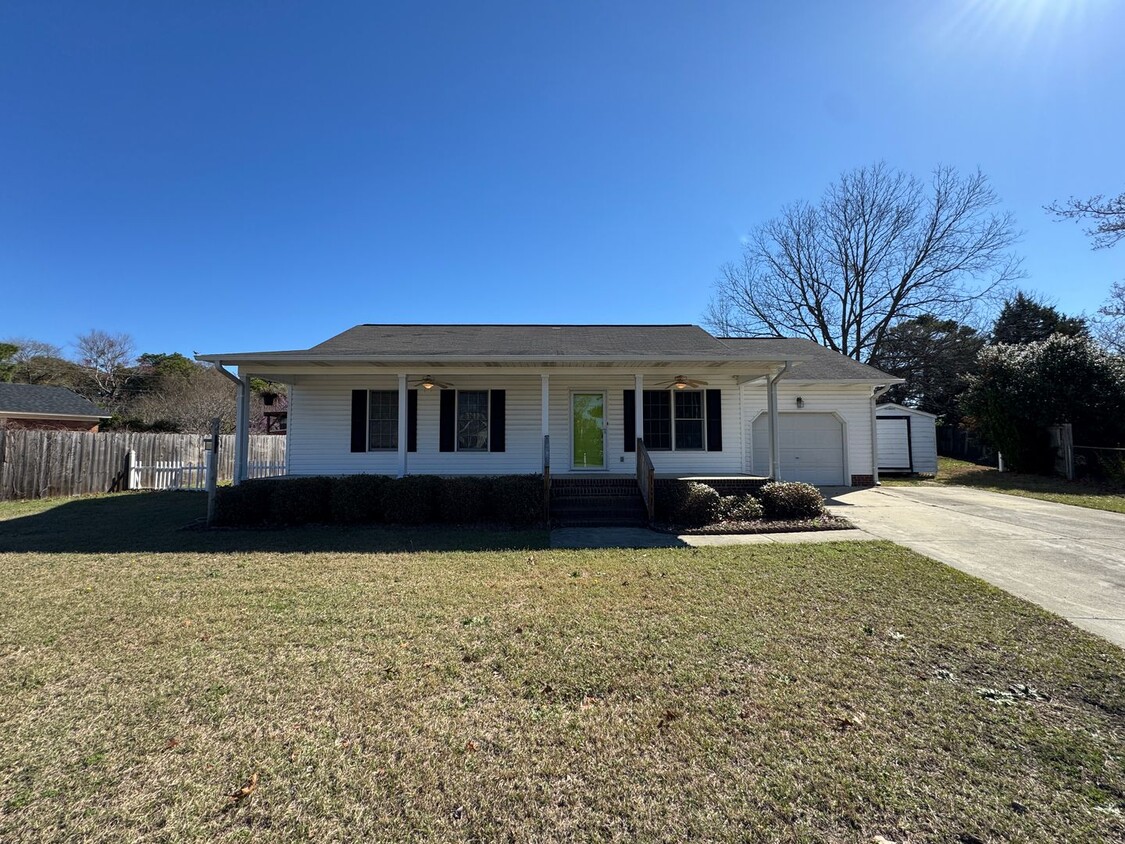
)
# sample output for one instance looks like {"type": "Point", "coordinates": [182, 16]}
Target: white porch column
{"type": "Point", "coordinates": [402, 424]}
{"type": "Point", "coordinates": [639, 406]}
{"type": "Point", "coordinates": [545, 412]}
{"type": "Point", "coordinates": [545, 405]}
{"type": "Point", "coordinates": [242, 430]}
{"type": "Point", "coordinates": [771, 409]}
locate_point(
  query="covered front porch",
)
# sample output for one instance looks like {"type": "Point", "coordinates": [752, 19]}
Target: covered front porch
{"type": "Point", "coordinates": [507, 420]}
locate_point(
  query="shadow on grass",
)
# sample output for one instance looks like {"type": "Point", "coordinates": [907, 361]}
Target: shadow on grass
{"type": "Point", "coordinates": [171, 522]}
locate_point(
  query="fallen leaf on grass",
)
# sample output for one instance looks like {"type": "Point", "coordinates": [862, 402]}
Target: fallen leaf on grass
{"type": "Point", "coordinates": [171, 743]}
{"type": "Point", "coordinates": [245, 790]}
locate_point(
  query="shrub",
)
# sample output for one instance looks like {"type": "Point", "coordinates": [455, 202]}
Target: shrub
{"type": "Point", "coordinates": [791, 500]}
{"type": "Point", "coordinates": [463, 500]}
{"type": "Point", "coordinates": [517, 499]}
{"type": "Point", "coordinates": [245, 504]}
{"type": "Point", "coordinates": [411, 500]}
{"type": "Point", "coordinates": [358, 499]}
{"type": "Point", "coordinates": [687, 503]}
{"type": "Point", "coordinates": [300, 501]}
{"type": "Point", "coordinates": [740, 508]}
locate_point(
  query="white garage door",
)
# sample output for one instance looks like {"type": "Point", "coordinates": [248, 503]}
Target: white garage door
{"type": "Point", "coordinates": [812, 447]}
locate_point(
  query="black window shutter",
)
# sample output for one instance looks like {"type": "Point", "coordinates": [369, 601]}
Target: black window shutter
{"type": "Point", "coordinates": [496, 425]}
{"type": "Point", "coordinates": [359, 420]}
{"type": "Point", "coordinates": [447, 434]}
{"type": "Point", "coordinates": [630, 420]}
{"type": "Point", "coordinates": [411, 420]}
{"type": "Point", "coordinates": [714, 420]}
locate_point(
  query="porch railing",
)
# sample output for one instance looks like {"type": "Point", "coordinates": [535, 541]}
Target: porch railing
{"type": "Point", "coordinates": [646, 479]}
{"type": "Point", "coordinates": [547, 477]}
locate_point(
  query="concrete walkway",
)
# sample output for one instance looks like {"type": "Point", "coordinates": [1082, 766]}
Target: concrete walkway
{"type": "Point", "coordinates": [1070, 560]}
{"type": "Point", "coordinates": [614, 537]}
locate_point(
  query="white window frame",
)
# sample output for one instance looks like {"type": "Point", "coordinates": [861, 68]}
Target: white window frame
{"type": "Point", "coordinates": [487, 423]}
{"type": "Point", "coordinates": [398, 433]}
{"type": "Point", "coordinates": [674, 419]}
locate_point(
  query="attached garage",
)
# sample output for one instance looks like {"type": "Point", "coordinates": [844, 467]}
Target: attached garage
{"type": "Point", "coordinates": [812, 447]}
{"type": "Point", "coordinates": [907, 440]}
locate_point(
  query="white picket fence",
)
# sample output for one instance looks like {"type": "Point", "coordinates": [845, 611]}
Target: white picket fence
{"type": "Point", "coordinates": [174, 475]}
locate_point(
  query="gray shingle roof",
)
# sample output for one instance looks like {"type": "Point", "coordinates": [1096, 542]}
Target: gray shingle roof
{"type": "Point", "coordinates": [36, 398]}
{"type": "Point", "coordinates": [822, 365]}
{"type": "Point", "coordinates": [534, 340]}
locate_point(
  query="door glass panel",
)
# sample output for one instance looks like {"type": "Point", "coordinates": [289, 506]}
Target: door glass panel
{"type": "Point", "coordinates": [588, 430]}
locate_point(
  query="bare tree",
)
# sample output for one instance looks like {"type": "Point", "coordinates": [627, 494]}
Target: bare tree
{"type": "Point", "coordinates": [1107, 216]}
{"type": "Point", "coordinates": [188, 402]}
{"type": "Point", "coordinates": [107, 358]}
{"type": "Point", "coordinates": [880, 247]}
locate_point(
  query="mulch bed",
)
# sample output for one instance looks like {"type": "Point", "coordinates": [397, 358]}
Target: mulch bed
{"type": "Point", "coordinates": [825, 522]}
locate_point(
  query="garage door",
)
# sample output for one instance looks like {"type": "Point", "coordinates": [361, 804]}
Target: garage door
{"type": "Point", "coordinates": [812, 447]}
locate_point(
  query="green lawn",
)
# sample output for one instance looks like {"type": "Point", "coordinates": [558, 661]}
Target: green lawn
{"type": "Point", "coordinates": [383, 685]}
{"type": "Point", "coordinates": [962, 473]}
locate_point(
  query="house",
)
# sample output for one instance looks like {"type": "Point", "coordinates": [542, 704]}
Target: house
{"type": "Point", "coordinates": [572, 402]}
{"type": "Point", "coordinates": [35, 406]}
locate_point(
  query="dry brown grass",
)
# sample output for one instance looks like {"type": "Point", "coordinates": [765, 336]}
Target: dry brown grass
{"type": "Point", "coordinates": [312, 691]}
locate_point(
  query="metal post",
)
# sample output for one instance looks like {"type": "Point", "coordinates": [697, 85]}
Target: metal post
{"type": "Point", "coordinates": [211, 460]}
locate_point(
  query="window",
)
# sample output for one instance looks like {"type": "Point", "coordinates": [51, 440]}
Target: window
{"type": "Point", "coordinates": [382, 421]}
{"type": "Point", "coordinates": [658, 420]}
{"type": "Point", "coordinates": [472, 420]}
{"type": "Point", "coordinates": [674, 420]}
{"type": "Point", "coordinates": [689, 420]}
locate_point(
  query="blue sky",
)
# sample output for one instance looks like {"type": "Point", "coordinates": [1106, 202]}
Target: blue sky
{"type": "Point", "coordinates": [234, 176]}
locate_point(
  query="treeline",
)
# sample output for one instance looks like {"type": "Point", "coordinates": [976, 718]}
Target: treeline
{"type": "Point", "coordinates": [152, 391]}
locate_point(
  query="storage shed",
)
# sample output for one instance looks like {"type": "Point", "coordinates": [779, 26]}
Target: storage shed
{"type": "Point", "coordinates": [907, 440]}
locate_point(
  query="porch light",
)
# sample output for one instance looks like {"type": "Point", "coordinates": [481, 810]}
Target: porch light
{"type": "Point", "coordinates": [800, 402]}
{"type": "Point", "coordinates": [427, 383]}
{"type": "Point", "coordinates": [680, 383]}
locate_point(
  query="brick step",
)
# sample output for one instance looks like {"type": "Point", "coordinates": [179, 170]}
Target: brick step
{"type": "Point", "coordinates": [592, 522]}
{"type": "Point", "coordinates": [601, 502]}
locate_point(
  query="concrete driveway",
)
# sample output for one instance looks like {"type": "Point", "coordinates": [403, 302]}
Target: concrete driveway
{"type": "Point", "coordinates": [1070, 560]}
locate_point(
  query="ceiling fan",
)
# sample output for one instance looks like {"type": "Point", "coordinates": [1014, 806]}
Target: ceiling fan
{"type": "Point", "coordinates": [681, 383]}
{"type": "Point", "coordinates": [429, 383]}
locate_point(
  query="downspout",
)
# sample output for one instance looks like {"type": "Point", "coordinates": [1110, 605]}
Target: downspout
{"type": "Point", "coordinates": [241, 424]}
{"type": "Point", "coordinates": [875, 393]}
{"type": "Point", "coordinates": [771, 404]}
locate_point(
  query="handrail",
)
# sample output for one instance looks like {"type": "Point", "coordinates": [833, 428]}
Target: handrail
{"type": "Point", "coordinates": [646, 479]}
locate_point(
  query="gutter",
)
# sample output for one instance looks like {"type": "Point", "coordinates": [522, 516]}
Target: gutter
{"type": "Point", "coordinates": [875, 393]}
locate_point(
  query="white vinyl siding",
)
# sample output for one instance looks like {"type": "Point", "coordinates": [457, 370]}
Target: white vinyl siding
{"type": "Point", "coordinates": [319, 437]}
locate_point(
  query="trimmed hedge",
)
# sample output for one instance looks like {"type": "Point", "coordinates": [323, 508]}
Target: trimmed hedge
{"type": "Point", "coordinates": [740, 508]}
{"type": "Point", "coordinates": [791, 500]}
{"type": "Point", "coordinates": [687, 503]}
{"type": "Point", "coordinates": [358, 499]}
{"type": "Point", "coordinates": [370, 499]}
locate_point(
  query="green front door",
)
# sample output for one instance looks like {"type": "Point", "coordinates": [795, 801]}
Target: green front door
{"type": "Point", "coordinates": [587, 425]}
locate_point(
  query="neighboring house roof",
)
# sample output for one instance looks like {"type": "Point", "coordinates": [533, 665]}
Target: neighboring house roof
{"type": "Point", "coordinates": [819, 364]}
{"type": "Point", "coordinates": [42, 401]}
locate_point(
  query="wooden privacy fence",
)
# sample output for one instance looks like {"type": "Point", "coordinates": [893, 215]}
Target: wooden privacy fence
{"type": "Point", "coordinates": [41, 464]}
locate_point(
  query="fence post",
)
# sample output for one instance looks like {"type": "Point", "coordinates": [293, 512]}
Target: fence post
{"type": "Point", "coordinates": [1068, 449]}
{"type": "Point", "coordinates": [211, 461]}
{"type": "Point", "coordinates": [130, 469]}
